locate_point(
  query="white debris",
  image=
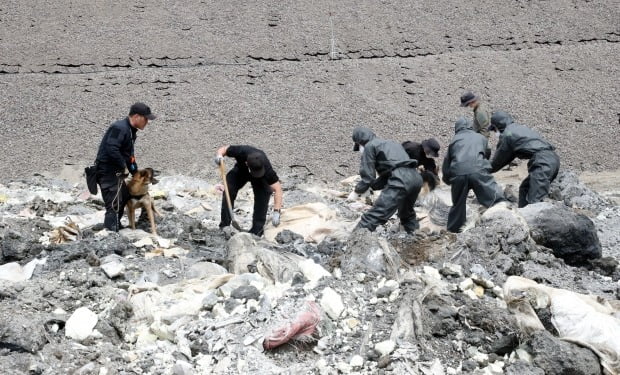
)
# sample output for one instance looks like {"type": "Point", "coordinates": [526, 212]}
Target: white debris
{"type": "Point", "coordinates": [331, 302]}
{"type": "Point", "coordinates": [81, 323]}
{"type": "Point", "coordinates": [385, 347]}
{"type": "Point", "coordinates": [15, 273]}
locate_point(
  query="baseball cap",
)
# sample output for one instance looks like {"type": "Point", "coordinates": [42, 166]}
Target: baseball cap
{"type": "Point", "coordinates": [431, 147]}
{"type": "Point", "coordinates": [256, 164]}
{"type": "Point", "coordinates": [467, 98]}
{"type": "Point", "coordinates": [142, 110]}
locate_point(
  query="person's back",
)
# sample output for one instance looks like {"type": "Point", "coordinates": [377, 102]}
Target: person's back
{"type": "Point", "coordinates": [522, 142]}
{"type": "Point", "coordinates": [467, 151]}
{"type": "Point", "coordinates": [515, 141]}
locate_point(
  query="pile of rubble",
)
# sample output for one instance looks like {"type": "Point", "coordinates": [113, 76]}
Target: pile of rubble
{"type": "Point", "coordinates": [521, 291]}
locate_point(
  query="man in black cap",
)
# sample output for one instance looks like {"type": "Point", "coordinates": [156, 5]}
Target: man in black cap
{"type": "Point", "coordinates": [482, 115]}
{"type": "Point", "coordinates": [466, 167]}
{"type": "Point", "coordinates": [388, 162]}
{"type": "Point", "coordinates": [251, 166]}
{"type": "Point", "coordinates": [424, 153]}
{"type": "Point", "coordinates": [116, 152]}
{"type": "Point", "coordinates": [518, 141]}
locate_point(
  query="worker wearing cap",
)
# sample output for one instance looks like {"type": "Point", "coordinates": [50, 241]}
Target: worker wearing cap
{"type": "Point", "coordinates": [116, 152]}
{"type": "Point", "coordinates": [424, 153]}
{"type": "Point", "coordinates": [251, 166]}
{"type": "Point", "coordinates": [518, 141]}
{"type": "Point", "coordinates": [386, 161]}
{"type": "Point", "coordinates": [482, 115]}
{"type": "Point", "coordinates": [466, 167]}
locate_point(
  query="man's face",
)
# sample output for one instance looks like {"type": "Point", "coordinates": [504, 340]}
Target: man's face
{"type": "Point", "coordinates": [139, 121]}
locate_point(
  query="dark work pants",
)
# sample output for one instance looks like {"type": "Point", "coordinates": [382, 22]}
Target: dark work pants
{"type": "Point", "coordinates": [236, 179]}
{"type": "Point", "coordinates": [487, 191]}
{"type": "Point", "coordinates": [542, 169]}
{"type": "Point", "coordinates": [395, 197]}
{"type": "Point", "coordinates": [115, 196]}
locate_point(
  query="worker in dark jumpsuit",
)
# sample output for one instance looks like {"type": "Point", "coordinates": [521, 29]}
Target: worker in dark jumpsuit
{"type": "Point", "coordinates": [400, 182]}
{"type": "Point", "coordinates": [466, 167]}
{"type": "Point", "coordinates": [518, 141]}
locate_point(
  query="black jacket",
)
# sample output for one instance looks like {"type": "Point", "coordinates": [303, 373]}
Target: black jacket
{"type": "Point", "coordinates": [515, 141]}
{"type": "Point", "coordinates": [116, 148]}
{"type": "Point", "coordinates": [467, 152]}
{"type": "Point", "coordinates": [416, 151]}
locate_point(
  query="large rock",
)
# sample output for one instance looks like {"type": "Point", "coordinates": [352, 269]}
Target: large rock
{"type": "Point", "coordinates": [570, 235]}
{"type": "Point", "coordinates": [568, 189]}
{"type": "Point", "coordinates": [365, 252]}
{"type": "Point", "coordinates": [21, 332]}
{"type": "Point", "coordinates": [558, 357]}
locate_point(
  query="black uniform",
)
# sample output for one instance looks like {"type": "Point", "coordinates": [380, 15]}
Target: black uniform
{"type": "Point", "coordinates": [402, 182]}
{"type": "Point", "coordinates": [115, 154]}
{"type": "Point", "coordinates": [238, 176]}
{"type": "Point", "coordinates": [518, 141]}
{"type": "Point", "coordinates": [416, 151]}
{"type": "Point", "coordinates": [465, 168]}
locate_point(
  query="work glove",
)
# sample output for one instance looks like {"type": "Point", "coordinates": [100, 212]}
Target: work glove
{"type": "Point", "coordinates": [353, 197]}
{"type": "Point", "coordinates": [218, 160]}
{"type": "Point", "coordinates": [133, 168]}
{"type": "Point", "coordinates": [275, 218]}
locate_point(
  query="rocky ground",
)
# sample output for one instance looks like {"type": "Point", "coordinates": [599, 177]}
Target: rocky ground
{"type": "Point", "coordinates": [294, 78]}
{"type": "Point", "coordinates": [198, 300]}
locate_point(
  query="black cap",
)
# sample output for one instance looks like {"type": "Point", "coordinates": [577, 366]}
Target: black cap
{"type": "Point", "coordinates": [467, 98]}
{"type": "Point", "coordinates": [256, 164]}
{"type": "Point", "coordinates": [142, 110]}
{"type": "Point", "coordinates": [431, 147]}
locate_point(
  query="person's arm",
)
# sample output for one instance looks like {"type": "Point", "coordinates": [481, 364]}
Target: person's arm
{"type": "Point", "coordinates": [503, 154]}
{"type": "Point", "coordinates": [368, 172]}
{"type": "Point", "coordinates": [445, 168]}
{"type": "Point", "coordinates": [277, 196]}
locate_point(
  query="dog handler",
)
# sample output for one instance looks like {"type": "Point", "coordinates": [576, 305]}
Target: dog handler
{"type": "Point", "coordinates": [518, 141]}
{"type": "Point", "coordinates": [466, 167]}
{"type": "Point", "coordinates": [116, 152]}
{"type": "Point", "coordinates": [251, 166]}
{"type": "Point", "coordinates": [401, 182]}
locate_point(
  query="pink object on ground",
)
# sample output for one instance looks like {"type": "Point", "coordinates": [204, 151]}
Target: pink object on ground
{"type": "Point", "coordinates": [299, 329]}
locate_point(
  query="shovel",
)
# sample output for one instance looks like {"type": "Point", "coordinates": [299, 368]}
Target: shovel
{"type": "Point", "coordinates": [233, 222]}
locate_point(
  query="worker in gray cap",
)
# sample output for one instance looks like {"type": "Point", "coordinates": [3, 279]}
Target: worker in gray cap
{"type": "Point", "coordinates": [386, 166]}
{"type": "Point", "coordinates": [466, 167]}
{"type": "Point", "coordinates": [482, 115]}
{"type": "Point", "coordinates": [518, 141]}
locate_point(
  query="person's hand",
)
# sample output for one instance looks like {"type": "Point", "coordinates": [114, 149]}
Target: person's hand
{"type": "Point", "coordinates": [353, 197]}
{"type": "Point", "coordinates": [133, 168]}
{"type": "Point", "coordinates": [275, 218]}
{"type": "Point", "coordinates": [219, 159]}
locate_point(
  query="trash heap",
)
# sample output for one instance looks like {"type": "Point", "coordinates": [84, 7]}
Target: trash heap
{"type": "Point", "coordinates": [521, 291]}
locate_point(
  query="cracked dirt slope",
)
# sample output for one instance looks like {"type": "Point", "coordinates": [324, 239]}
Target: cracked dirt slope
{"type": "Point", "coordinates": [293, 77]}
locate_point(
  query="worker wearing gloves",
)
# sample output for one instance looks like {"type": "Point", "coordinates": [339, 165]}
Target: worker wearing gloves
{"type": "Point", "coordinates": [518, 141]}
{"type": "Point", "coordinates": [386, 166]}
{"type": "Point", "coordinates": [251, 166]}
{"type": "Point", "coordinates": [466, 167]}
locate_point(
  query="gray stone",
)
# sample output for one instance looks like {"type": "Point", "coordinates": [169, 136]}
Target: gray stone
{"type": "Point", "coordinates": [287, 236]}
{"type": "Point", "coordinates": [22, 332]}
{"type": "Point", "coordinates": [556, 356]}
{"type": "Point", "coordinates": [570, 235]}
{"type": "Point", "coordinates": [523, 368]}
{"type": "Point", "coordinates": [246, 292]}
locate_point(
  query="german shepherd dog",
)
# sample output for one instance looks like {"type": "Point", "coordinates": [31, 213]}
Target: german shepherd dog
{"type": "Point", "coordinates": [138, 188]}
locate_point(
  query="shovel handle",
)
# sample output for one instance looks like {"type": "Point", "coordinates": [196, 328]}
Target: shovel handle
{"type": "Point", "coordinates": [223, 174]}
